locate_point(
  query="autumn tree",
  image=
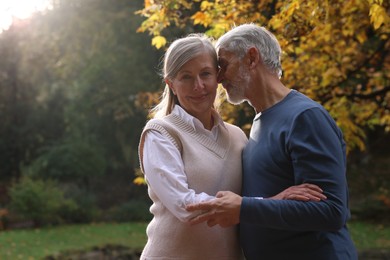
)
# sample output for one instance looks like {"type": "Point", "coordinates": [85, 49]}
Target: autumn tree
{"type": "Point", "coordinates": [69, 78]}
{"type": "Point", "coordinates": [334, 51]}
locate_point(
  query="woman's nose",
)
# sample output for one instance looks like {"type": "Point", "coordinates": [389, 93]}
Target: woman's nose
{"type": "Point", "coordinates": [198, 83]}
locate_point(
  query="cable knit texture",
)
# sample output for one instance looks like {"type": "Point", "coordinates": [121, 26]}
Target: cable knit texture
{"type": "Point", "coordinates": [210, 166]}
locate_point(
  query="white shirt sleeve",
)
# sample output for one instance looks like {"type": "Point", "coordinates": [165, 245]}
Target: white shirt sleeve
{"type": "Point", "coordinates": [164, 172]}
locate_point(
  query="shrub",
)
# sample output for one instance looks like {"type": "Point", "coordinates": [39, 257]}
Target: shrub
{"type": "Point", "coordinates": [85, 209]}
{"type": "Point", "coordinates": [75, 161]}
{"type": "Point", "coordinates": [3, 218]}
{"type": "Point", "coordinates": [38, 200]}
{"type": "Point", "coordinates": [133, 210]}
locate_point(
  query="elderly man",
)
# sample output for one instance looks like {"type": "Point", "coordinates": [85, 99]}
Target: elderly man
{"type": "Point", "coordinates": [293, 140]}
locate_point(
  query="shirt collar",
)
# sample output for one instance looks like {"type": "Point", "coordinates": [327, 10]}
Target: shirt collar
{"type": "Point", "coordinates": [193, 121]}
{"type": "Point", "coordinates": [257, 116]}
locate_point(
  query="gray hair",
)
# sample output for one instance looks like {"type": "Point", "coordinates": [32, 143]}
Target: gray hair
{"type": "Point", "coordinates": [177, 55]}
{"type": "Point", "coordinates": [243, 37]}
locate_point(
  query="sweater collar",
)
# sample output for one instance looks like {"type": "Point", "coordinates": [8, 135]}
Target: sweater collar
{"type": "Point", "coordinates": [193, 121]}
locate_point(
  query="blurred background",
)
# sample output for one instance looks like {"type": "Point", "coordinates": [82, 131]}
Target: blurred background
{"type": "Point", "coordinates": [77, 79]}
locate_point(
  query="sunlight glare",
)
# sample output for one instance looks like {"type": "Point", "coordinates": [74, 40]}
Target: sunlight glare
{"type": "Point", "coordinates": [20, 9]}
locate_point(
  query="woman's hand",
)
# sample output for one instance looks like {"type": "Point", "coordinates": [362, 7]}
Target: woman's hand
{"type": "Point", "coordinates": [303, 192]}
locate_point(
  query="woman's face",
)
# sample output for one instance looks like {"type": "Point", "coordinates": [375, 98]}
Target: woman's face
{"type": "Point", "coordinates": [195, 85]}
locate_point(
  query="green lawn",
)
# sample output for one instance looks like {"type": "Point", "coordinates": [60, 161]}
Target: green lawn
{"type": "Point", "coordinates": [37, 243]}
{"type": "Point", "coordinates": [368, 235]}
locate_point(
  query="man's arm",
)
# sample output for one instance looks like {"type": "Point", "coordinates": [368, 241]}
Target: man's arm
{"type": "Point", "coordinates": [318, 158]}
{"type": "Point", "coordinates": [317, 153]}
{"type": "Point", "coordinates": [225, 209]}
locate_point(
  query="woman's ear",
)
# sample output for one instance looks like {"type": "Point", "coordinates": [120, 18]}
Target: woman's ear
{"type": "Point", "coordinates": [170, 85]}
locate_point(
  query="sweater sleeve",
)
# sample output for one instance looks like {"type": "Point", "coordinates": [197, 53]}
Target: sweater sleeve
{"type": "Point", "coordinates": [164, 172]}
{"type": "Point", "coordinates": [317, 151]}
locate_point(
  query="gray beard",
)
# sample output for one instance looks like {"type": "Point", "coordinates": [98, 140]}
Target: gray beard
{"type": "Point", "coordinates": [235, 96]}
{"type": "Point", "coordinates": [236, 93]}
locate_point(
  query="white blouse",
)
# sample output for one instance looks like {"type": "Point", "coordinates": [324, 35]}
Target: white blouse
{"type": "Point", "coordinates": [164, 169]}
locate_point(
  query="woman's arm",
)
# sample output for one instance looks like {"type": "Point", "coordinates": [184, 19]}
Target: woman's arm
{"type": "Point", "coordinates": [164, 173]}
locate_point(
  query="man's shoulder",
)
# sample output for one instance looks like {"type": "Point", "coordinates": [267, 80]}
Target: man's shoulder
{"type": "Point", "coordinates": [303, 100]}
{"type": "Point", "coordinates": [299, 103]}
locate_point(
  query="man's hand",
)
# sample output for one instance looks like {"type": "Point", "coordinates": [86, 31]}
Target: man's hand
{"type": "Point", "coordinates": [304, 192]}
{"type": "Point", "coordinates": [224, 210]}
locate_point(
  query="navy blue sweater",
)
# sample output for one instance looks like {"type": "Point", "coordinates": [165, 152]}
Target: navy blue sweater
{"type": "Point", "coordinates": [294, 142]}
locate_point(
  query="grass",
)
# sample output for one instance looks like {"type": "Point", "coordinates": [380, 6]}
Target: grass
{"type": "Point", "coordinates": [38, 243]}
{"type": "Point", "coordinates": [370, 235]}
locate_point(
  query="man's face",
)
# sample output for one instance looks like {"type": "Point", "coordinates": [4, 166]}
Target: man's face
{"type": "Point", "coordinates": [233, 76]}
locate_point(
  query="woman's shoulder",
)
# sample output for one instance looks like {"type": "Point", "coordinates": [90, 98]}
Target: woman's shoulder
{"type": "Point", "coordinates": [231, 126]}
{"type": "Point", "coordinates": [235, 130]}
{"type": "Point", "coordinates": [160, 121]}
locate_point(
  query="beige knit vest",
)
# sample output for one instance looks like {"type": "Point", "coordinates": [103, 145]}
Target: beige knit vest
{"type": "Point", "coordinates": [210, 166]}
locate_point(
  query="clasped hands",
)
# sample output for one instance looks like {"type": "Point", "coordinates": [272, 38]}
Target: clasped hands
{"type": "Point", "coordinates": [224, 210]}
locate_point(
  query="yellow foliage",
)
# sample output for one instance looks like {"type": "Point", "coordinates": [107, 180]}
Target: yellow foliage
{"type": "Point", "coordinates": [198, 17]}
{"type": "Point", "coordinates": [139, 181]}
{"type": "Point", "coordinates": [378, 16]}
{"type": "Point", "coordinates": [201, 18]}
{"type": "Point", "coordinates": [362, 37]}
{"type": "Point", "coordinates": [330, 75]}
{"type": "Point", "coordinates": [159, 41]}
{"type": "Point", "coordinates": [206, 5]}
{"type": "Point", "coordinates": [290, 8]}
{"type": "Point", "coordinates": [147, 3]}
{"type": "Point", "coordinates": [330, 51]}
